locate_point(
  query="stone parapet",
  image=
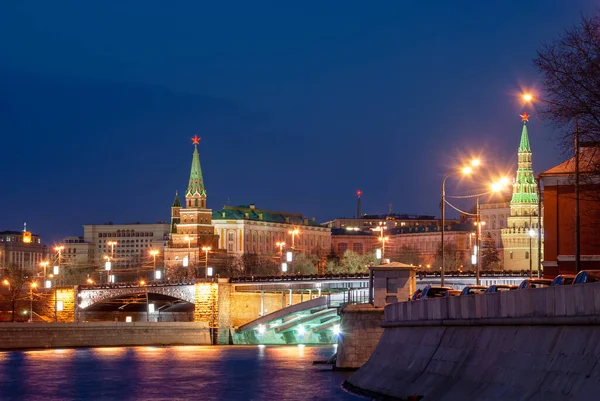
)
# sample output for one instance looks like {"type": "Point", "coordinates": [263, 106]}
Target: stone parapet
{"type": "Point", "coordinates": [360, 331]}
{"type": "Point", "coordinates": [101, 334]}
{"type": "Point", "coordinates": [568, 300]}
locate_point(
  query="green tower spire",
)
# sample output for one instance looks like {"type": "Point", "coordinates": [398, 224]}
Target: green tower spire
{"type": "Point", "coordinates": [525, 186]}
{"type": "Point", "coordinates": [196, 185]}
{"type": "Point", "coordinates": [176, 202]}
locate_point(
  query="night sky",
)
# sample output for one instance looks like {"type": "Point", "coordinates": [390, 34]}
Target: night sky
{"type": "Point", "coordinates": [297, 106]}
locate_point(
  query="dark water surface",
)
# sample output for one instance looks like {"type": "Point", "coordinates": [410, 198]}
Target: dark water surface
{"type": "Point", "coordinates": [171, 373]}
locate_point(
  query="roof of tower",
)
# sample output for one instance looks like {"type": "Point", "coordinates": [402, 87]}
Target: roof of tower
{"type": "Point", "coordinates": [176, 202]}
{"type": "Point", "coordinates": [196, 184]}
{"type": "Point", "coordinates": [524, 145]}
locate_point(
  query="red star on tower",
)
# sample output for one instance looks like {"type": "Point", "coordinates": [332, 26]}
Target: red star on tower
{"type": "Point", "coordinates": [195, 140]}
{"type": "Point", "coordinates": [524, 116]}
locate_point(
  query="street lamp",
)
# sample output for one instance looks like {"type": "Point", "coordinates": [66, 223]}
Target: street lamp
{"type": "Point", "coordinates": [465, 170]}
{"type": "Point", "coordinates": [153, 253]}
{"type": "Point", "coordinates": [280, 244]}
{"type": "Point", "coordinates": [58, 250]}
{"type": "Point", "coordinates": [189, 240]}
{"type": "Point", "coordinates": [31, 287]}
{"type": "Point", "coordinates": [532, 234]}
{"type": "Point", "coordinates": [293, 233]}
{"type": "Point", "coordinates": [529, 98]}
{"type": "Point", "coordinates": [109, 266]}
{"type": "Point", "coordinates": [44, 264]}
{"type": "Point", "coordinates": [494, 187]}
{"type": "Point", "coordinates": [206, 249]}
{"type": "Point", "coordinates": [382, 227]}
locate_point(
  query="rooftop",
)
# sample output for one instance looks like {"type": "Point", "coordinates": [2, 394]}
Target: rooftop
{"type": "Point", "coordinates": [250, 212]}
{"type": "Point", "coordinates": [589, 162]}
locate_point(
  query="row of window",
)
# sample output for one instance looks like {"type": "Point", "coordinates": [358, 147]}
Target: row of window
{"type": "Point", "coordinates": [130, 233]}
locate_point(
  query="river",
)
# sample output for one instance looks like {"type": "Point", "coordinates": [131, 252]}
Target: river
{"type": "Point", "coordinates": [171, 373]}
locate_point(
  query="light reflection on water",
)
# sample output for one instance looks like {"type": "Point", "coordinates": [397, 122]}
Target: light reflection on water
{"type": "Point", "coordinates": [171, 373]}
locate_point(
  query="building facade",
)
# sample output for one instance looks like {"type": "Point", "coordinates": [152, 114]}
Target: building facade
{"type": "Point", "coordinates": [519, 238]}
{"type": "Point", "coordinates": [22, 249]}
{"type": "Point", "coordinates": [392, 221]}
{"type": "Point", "coordinates": [246, 229]}
{"type": "Point", "coordinates": [560, 212]}
{"type": "Point", "coordinates": [131, 243]}
{"type": "Point", "coordinates": [419, 245]}
{"type": "Point", "coordinates": [191, 226]}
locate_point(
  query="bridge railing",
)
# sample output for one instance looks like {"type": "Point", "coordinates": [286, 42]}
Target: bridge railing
{"type": "Point", "coordinates": [299, 277]}
{"type": "Point", "coordinates": [486, 273]}
{"type": "Point", "coordinates": [153, 283]}
{"type": "Point", "coordinates": [352, 296]}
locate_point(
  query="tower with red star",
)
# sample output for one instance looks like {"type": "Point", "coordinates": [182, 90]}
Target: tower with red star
{"type": "Point", "coordinates": [191, 225]}
{"type": "Point", "coordinates": [519, 238]}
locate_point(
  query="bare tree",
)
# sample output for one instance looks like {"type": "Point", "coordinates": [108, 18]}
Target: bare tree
{"type": "Point", "coordinates": [570, 68]}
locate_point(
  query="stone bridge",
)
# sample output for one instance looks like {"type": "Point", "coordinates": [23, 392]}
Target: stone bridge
{"type": "Point", "coordinates": [89, 296]}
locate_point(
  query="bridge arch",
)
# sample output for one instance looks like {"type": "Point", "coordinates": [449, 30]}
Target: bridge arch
{"type": "Point", "coordinates": [92, 296]}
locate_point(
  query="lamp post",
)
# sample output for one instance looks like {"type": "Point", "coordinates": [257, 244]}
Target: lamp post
{"type": "Point", "coordinates": [532, 234]}
{"type": "Point", "coordinates": [381, 228]}
{"type": "Point", "coordinates": [466, 170]}
{"type": "Point", "coordinates": [44, 264]}
{"type": "Point", "coordinates": [280, 244]}
{"type": "Point", "coordinates": [31, 287]}
{"type": "Point", "coordinates": [494, 187]}
{"type": "Point", "coordinates": [189, 240]}
{"type": "Point", "coordinates": [529, 98]}
{"type": "Point", "coordinates": [206, 249]}
{"type": "Point", "coordinates": [59, 250]}
{"type": "Point", "coordinates": [153, 253]}
{"type": "Point", "coordinates": [112, 244]}
{"type": "Point", "coordinates": [293, 233]}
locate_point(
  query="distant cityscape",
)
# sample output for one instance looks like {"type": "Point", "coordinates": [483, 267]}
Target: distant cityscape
{"type": "Point", "coordinates": [502, 233]}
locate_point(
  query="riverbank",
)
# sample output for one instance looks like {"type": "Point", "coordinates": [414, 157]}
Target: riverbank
{"type": "Point", "coordinates": [537, 344]}
{"type": "Point", "coordinates": [101, 334]}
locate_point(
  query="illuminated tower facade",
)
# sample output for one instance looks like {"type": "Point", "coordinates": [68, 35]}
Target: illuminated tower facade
{"type": "Point", "coordinates": [191, 225]}
{"type": "Point", "coordinates": [520, 238]}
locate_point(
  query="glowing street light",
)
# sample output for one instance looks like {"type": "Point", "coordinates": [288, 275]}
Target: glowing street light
{"type": "Point", "coordinates": [153, 253]}
{"type": "Point", "coordinates": [32, 286]}
{"type": "Point", "coordinates": [293, 233]}
{"type": "Point", "coordinates": [465, 170]}
{"type": "Point", "coordinates": [280, 244]}
{"type": "Point", "coordinates": [206, 249]}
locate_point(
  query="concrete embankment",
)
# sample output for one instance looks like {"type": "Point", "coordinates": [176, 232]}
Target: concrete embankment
{"type": "Point", "coordinates": [100, 334]}
{"type": "Point", "coordinates": [538, 344]}
{"type": "Point", "coordinates": [360, 331]}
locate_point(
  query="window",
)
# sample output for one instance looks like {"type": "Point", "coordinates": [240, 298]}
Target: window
{"type": "Point", "coordinates": [511, 254]}
{"type": "Point", "coordinates": [357, 247]}
{"type": "Point", "coordinates": [526, 255]}
{"type": "Point", "coordinates": [342, 247]}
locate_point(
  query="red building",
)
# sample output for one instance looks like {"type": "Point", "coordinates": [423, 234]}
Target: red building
{"type": "Point", "coordinates": [559, 214]}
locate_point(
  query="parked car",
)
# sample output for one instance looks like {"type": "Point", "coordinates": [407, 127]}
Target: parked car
{"type": "Point", "coordinates": [500, 288]}
{"type": "Point", "coordinates": [473, 289]}
{"type": "Point", "coordinates": [416, 295]}
{"type": "Point", "coordinates": [430, 292]}
{"type": "Point", "coordinates": [535, 283]}
{"type": "Point", "coordinates": [452, 293]}
{"type": "Point", "coordinates": [587, 276]}
{"type": "Point", "coordinates": [563, 279]}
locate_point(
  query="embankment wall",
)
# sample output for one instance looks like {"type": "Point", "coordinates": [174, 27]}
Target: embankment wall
{"type": "Point", "coordinates": [536, 344]}
{"type": "Point", "coordinates": [360, 331]}
{"type": "Point", "coordinates": [99, 334]}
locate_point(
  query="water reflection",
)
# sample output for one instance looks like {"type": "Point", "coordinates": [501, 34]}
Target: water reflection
{"type": "Point", "coordinates": [171, 373]}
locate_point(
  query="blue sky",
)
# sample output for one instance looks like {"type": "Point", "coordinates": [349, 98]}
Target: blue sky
{"type": "Point", "coordinates": [298, 103]}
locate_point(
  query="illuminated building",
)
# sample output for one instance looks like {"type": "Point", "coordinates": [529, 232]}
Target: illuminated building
{"type": "Point", "coordinates": [520, 245]}
{"type": "Point", "coordinates": [246, 229]}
